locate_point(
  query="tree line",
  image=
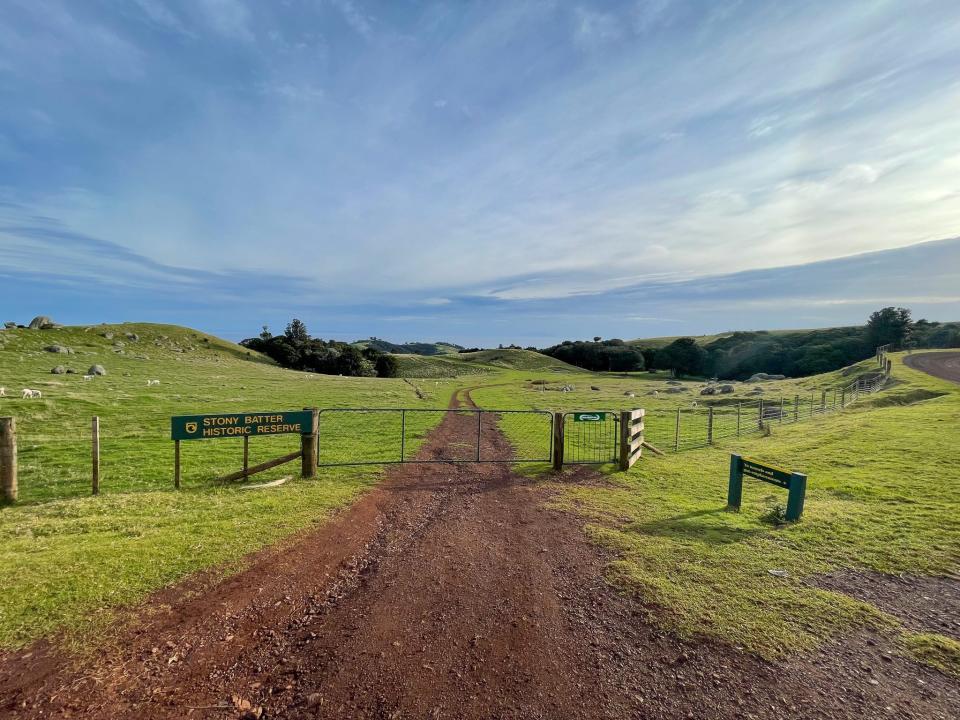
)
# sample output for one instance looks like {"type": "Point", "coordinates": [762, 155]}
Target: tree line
{"type": "Point", "coordinates": [295, 349]}
{"type": "Point", "coordinates": [741, 354]}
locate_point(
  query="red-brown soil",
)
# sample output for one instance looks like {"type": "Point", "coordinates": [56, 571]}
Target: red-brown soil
{"type": "Point", "coordinates": [450, 591]}
{"type": "Point", "coordinates": [945, 365]}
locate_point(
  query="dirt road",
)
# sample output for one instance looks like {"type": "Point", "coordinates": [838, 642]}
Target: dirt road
{"type": "Point", "coordinates": [450, 591]}
{"type": "Point", "coordinates": [945, 365]}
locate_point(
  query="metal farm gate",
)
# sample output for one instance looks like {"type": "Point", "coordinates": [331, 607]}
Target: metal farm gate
{"type": "Point", "coordinates": [375, 436]}
{"type": "Point", "coordinates": [591, 438]}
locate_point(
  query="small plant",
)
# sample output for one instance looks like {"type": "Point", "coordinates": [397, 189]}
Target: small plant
{"type": "Point", "coordinates": [777, 515]}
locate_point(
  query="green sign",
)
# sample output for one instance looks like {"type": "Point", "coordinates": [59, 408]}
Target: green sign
{"type": "Point", "coordinates": [767, 473]}
{"type": "Point", "coordinates": [589, 417]}
{"type": "Point", "coordinates": [795, 483]}
{"type": "Point", "coordinates": [201, 427]}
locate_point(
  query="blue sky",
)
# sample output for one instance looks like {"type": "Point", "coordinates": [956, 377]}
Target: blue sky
{"type": "Point", "coordinates": [480, 172]}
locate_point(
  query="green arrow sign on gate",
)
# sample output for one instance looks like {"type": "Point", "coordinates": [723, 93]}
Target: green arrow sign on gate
{"type": "Point", "coordinates": [589, 417]}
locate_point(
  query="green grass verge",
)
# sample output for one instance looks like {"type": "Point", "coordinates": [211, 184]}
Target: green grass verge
{"type": "Point", "coordinates": [883, 494]}
{"type": "Point", "coordinates": [935, 650]}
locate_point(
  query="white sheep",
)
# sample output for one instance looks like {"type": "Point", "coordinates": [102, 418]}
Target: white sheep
{"type": "Point", "coordinates": [28, 393]}
{"type": "Point", "coordinates": [88, 377]}
{"type": "Point", "coordinates": [151, 383]}
{"type": "Point", "coordinates": [656, 393]}
{"type": "Point", "coordinates": [694, 403]}
{"type": "Point", "coordinates": [3, 392]}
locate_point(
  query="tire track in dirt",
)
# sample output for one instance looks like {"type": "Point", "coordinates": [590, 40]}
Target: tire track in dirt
{"type": "Point", "coordinates": [450, 591]}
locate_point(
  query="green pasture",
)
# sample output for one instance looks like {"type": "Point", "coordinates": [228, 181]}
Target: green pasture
{"type": "Point", "coordinates": [883, 494]}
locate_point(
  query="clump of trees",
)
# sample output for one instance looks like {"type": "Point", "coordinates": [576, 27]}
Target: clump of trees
{"type": "Point", "coordinates": [295, 349]}
{"type": "Point", "coordinates": [599, 355]}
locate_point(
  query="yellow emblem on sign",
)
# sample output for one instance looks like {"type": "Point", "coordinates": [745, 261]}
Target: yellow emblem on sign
{"type": "Point", "coordinates": [191, 427]}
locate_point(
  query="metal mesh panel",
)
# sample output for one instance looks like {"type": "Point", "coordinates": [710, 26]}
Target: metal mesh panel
{"type": "Point", "coordinates": [590, 443]}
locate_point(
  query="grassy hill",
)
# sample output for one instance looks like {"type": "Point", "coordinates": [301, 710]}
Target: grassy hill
{"type": "Point", "coordinates": [478, 363]}
{"type": "Point", "coordinates": [410, 348]}
{"type": "Point", "coordinates": [68, 555]}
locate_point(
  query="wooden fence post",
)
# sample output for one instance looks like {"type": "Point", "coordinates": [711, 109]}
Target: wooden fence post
{"type": "Point", "coordinates": [760, 413]}
{"type": "Point", "coordinates": [8, 459]}
{"type": "Point", "coordinates": [95, 446]}
{"type": "Point", "coordinates": [246, 456]}
{"type": "Point", "coordinates": [176, 464]}
{"type": "Point", "coordinates": [676, 435]}
{"type": "Point", "coordinates": [710, 425]}
{"type": "Point", "coordinates": [558, 441]}
{"type": "Point", "coordinates": [308, 446]}
{"type": "Point", "coordinates": [796, 408]}
{"type": "Point", "coordinates": [738, 418]}
{"type": "Point", "coordinates": [781, 409]}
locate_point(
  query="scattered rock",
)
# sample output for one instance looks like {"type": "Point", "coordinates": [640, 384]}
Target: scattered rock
{"type": "Point", "coordinates": [42, 322]}
{"type": "Point", "coordinates": [674, 382]}
{"type": "Point", "coordinates": [760, 377]}
{"type": "Point", "coordinates": [58, 349]}
{"type": "Point", "coordinates": [726, 389]}
{"type": "Point", "coordinates": [59, 370]}
{"type": "Point", "coordinates": [97, 370]}
{"type": "Point", "coordinates": [132, 337]}
{"type": "Point", "coordinates": [108, 335]}
{"type": "Point", "coordinates": [9, 325]}
{"type": "Point", "coordinates": [594, 387]}
{"type": "Point", "coordinates": [675, 390]}
{"type": "Point", "coordinates": [709, 390]}
{"type": "Point", "coordinates": [630, 394]}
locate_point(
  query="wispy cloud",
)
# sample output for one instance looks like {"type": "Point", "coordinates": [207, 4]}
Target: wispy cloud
{"type": "Point", "coordinates": [509, 152]}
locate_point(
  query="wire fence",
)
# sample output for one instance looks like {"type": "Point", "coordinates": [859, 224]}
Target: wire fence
{"type": "Point", "coordinates": [704, 423]}
{"type": "Point", "coordinates": [368, 436]}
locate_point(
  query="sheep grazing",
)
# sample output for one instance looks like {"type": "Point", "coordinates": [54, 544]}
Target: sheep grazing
{"type": "Point", "coordinates": [151, 383]}
{"type": "Point", "coordinates": [32, 394]}
{"type": "Point", "coordinates": [3, 392]}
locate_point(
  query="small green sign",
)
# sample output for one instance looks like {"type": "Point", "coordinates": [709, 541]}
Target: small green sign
{"type": "Point", "coordinates": [795, 483]}
{"type": "Point", "coordinates": [767, 473]}
{"type": "Point", "coordinates": [589, 417]}
{"type": "Point", "coordinates": [201, 427]}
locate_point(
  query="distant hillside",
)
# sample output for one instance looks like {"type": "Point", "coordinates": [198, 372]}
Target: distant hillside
{"type": "Point", "coordinates": [794, 353]}
{"type": "Point", "coordinates": [410, 348]}
{"type": "Point", "coordinates": [479, 362]}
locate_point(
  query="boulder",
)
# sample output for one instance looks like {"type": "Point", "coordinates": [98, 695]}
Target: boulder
{"type": "Point", "coordinates": [674, 382]}
{"type": "Point", "coordinates": [760, 377]}
{"type": "Point", "coordinates": [725, 389]}
{"type": "Point", "coordinates": [108, 335]}
{"type": "Point", "coordinates": [58, 349]}
{"type": "Point", "coordinates": [59, 370]}
{"type": "Point", "coordinates": [71, 371]}
{"type": "Point", "coordinates": [711, 390]}
{"type": "Point", "coordinates": [9, 325]}
{"type": "Point", "coordinates": [674, 390]}
{"type": "Point", "coordinates": [132, 337]}
{"type": "Point", "coordinates": [630, 394]}
{"type": "Point", "coordinates": [41, 322]}
{"type": "Point", "coordinates": [594, 387]}
{"type": "Point", "coordinates": [97, 370]}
